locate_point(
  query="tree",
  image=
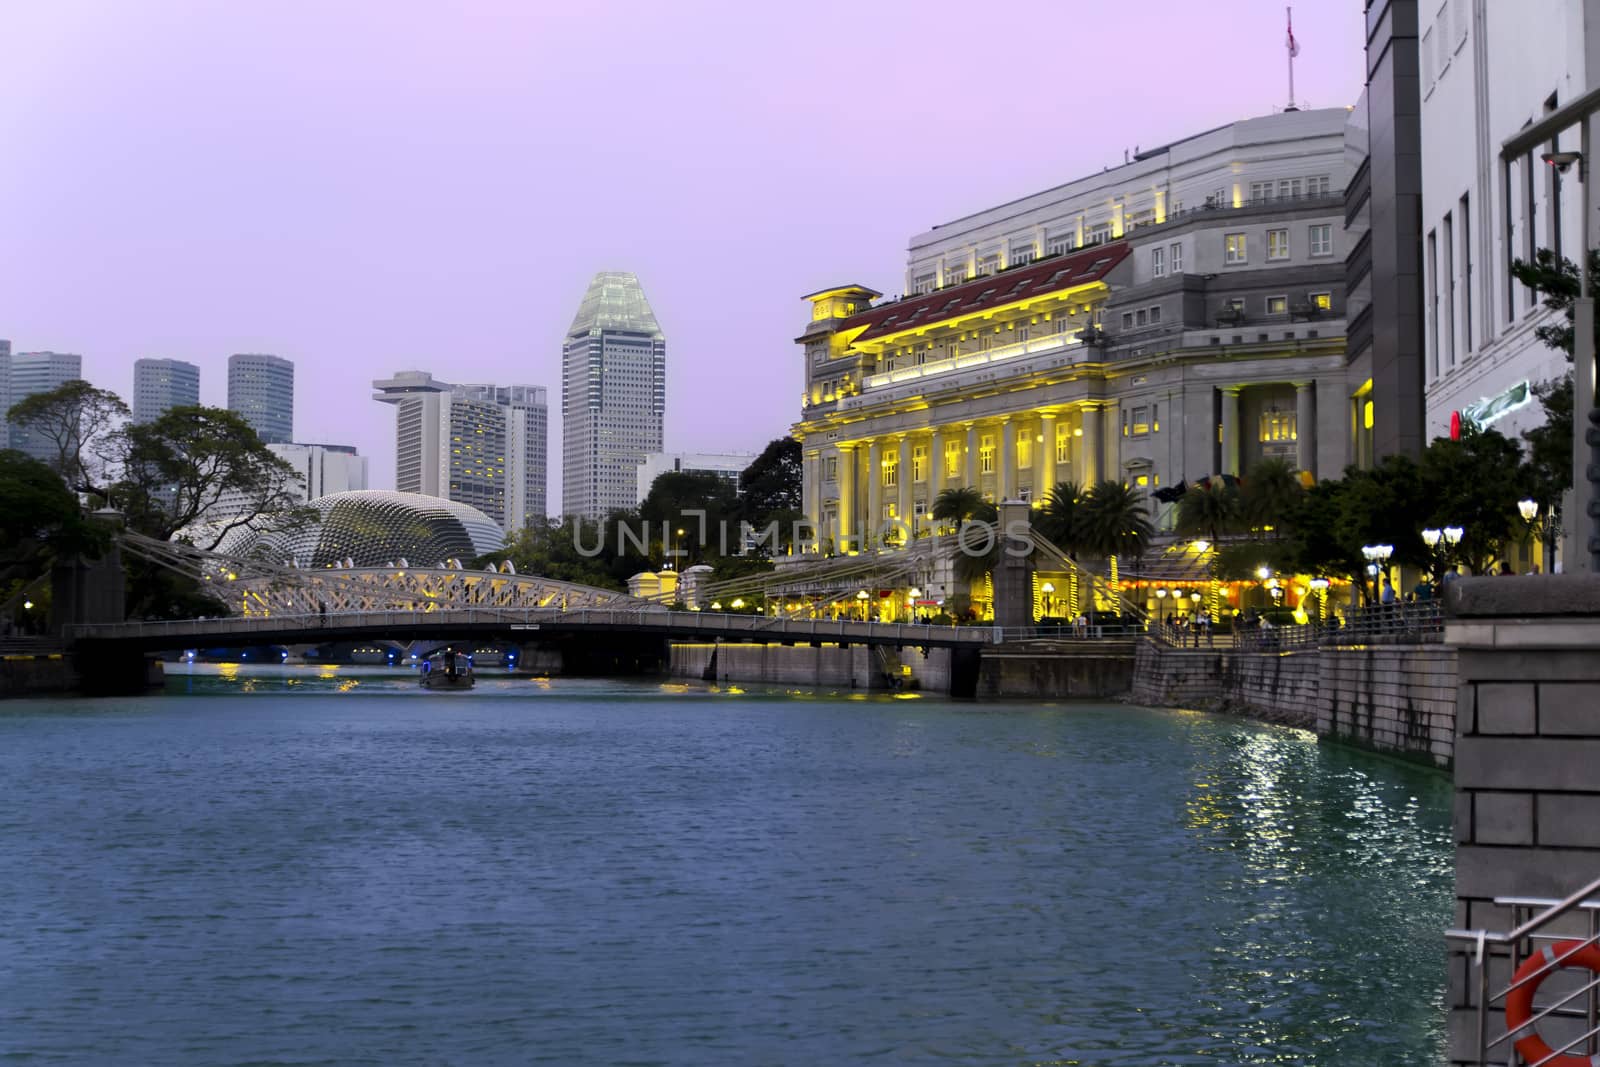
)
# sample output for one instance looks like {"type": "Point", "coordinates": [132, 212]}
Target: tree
{"type": "Point", "coordinates": [1116, 521]}
{"type": "Point", "coordinates": [957, 504]}
{"type": "Point", "coordinates": [39, 518]}
{"type": "Point", "coordinates": [770, 488]}
{"type": "Point", "coordinates": [81, 425]}
{"type": "Point", "coordinates": [1061, 516]}
{"type": "Point", "coordinates": [1269, 495]}
{"type": "Point", "coordinates": [1210, 511]}
{"type": "Point", "coordinates": [178, 469]}
{"type": "Point", "coordinates": [566, 550]}
{"type": "Point", "coordinates": [1550, 455]}
{"type": "Point", "coordinates": [1474, 483]}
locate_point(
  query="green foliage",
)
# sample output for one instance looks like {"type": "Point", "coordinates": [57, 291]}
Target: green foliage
{"type": "Point", "coordinates": [1557, 279]}
{"type": "Point", "coordinates": [1550, 445]}
{"type": "Point", "coordinates": [39, 517]}
{"type": "Point", "coordinates": [1061, 515]}
{"type": "Point", "coordinates": [1474, 483]}
{"type": "Point", "coordinates": [1115, 520]}
{"type": "Point", "coordinates": [958, 505]}
{"type": "Point", "coordinates": [770, 488]}
{"type": "Point", "coordinates": [1270, 493]}
{"type": "Point", "coordinates": [82, 425]}
{"type": "Point", "coordinates": [1241, 561]}
{"type": "Point", "coordinates": [1211, 511]}
{"type": "Point", "coordinates": [561, 549]}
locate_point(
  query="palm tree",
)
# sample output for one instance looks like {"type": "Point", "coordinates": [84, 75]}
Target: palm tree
{"type": "Point", "coordinates": [1210, 511]}
{"type": "Point", "coordinates": [957, 504]}
{"type": "Point", "coordinates": [1115, 522]}
{"type": "Point", "coordinates": [1271, 492]}
{"type": "Point", "coordinates": [1060, 517]}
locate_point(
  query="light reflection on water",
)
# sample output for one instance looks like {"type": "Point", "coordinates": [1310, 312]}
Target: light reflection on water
{"type": "Point", "coordinates": [341, 867]}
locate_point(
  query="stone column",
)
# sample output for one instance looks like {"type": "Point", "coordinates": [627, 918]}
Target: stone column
{"type": "Point", "coordinates": [1007, 486]}
{"type": "Point", "coordinates": [847, 495]}
{"type": "Point", "coordinates": [972, 456]}
{"type": "Point", "coordinates": [1230, 430]}
{"type": "Point", "coordinates": [903, 483]}
{"type": "Point", "coordinates": [811, 476]}
{"type": "Point", "coordinates": [1093, 445]}
{"type": "Point", "coordinates": [1305, 423]}
{"type": "Point", "coordinates": [874, 515]}
{"type": "Point", "coordinates": [1013, 575]}
{"type": "Point", "coordinates": [935, 466]}
{"type": "Point", "coordinates": [1046, 465]}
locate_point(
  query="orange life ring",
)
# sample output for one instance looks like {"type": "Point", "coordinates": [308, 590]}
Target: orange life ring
{"type": "Point", "coordinates": [1519, 1003]}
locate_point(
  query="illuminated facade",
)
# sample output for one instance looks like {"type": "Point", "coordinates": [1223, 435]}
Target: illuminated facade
{"type": "Point", "coordinates": [613, 395]}
{"type": "Point", "coordinates": [482, 445]}
{"type": "Point", "coordinates": [1175, 318]}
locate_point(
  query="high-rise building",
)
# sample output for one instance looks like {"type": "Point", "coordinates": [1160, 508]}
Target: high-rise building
{"type": "Point", "coordinates": [5, 393]}
{"type": "Point", "coordinates": [324, 469]}
{"type": "Point", "coordinates": [261, 388]}
{"type": "Point", "coordinates": [483, 445]}
{"type": "Point", "coordinates": [613, 395]}
{"type": "Point", "coordinates": [159, 384]}
{"type": "Point", "coordinates": [33, 373]}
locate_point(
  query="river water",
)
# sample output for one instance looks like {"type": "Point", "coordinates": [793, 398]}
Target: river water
{"type": "Point", "coordinates": [323, 868]}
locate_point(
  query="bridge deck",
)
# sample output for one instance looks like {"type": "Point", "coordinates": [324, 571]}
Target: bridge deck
{"type": "Point", "coordinates": [518, 625]}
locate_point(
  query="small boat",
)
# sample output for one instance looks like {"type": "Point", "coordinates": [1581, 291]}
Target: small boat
{"type": "Point", "coordinates": [446, 668]}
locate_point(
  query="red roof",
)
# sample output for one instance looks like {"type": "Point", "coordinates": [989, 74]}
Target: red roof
{"type": "Point", "coordinates": [991, 290]}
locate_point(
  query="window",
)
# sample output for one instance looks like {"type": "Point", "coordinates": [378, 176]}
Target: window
{"type": "Point", "coordinates": [1063, 443]}
{"type": "Point", "coordinates": [1234, 249]}
{"type": "Point", "coordinates": [1447, 283]}
{"type": "Point", "coordinates": [891, 468]}
{"type": "Point", "coordinates": [1127, 320]}
{"type": "Point", "coordinates": [1024, 451]}
{"type": "Point", "coordinates": [1158, 263]}
{"type": "Point", "coordinates": [1100, 234]}
{"type": "Point", "coordinates": [1141, 317]}
{"type": "Point", "coordinates": [1155, 315]}
{"type": "Point", "coordinates": [1218, 198]}
{"type": "Point", "coordinates": [830, 469]}
{"type": "Point", "coordinates": [1466, 270]}
{"type": "Point", "coordinates": [1277, 426]}
{"type": "Point", "coordinates": [986, 454]}
{"type": "Point", "coordinates": [1177, 259]}
{"type": "Point", "coordinates": [925, 283]}
{"type": "Point", "coordinates": [919, 463]}
{"type": "Point", "coordinates": [1322, 239]}
{"type": "Point", "coordinates": [1317, 186]}
{"type": "Point", "coordinates": [1289, 188]}
{"type": "Point", "coordinates": [1277, 244]}
{"type": "Point", "coordinates": [818, 354]}
{"type": "Point", "coordinates": [1277, 305]}
{"type": "Point", "coordinates": [1321, 301]}
{"type": "Point", "coordinates": [952, 459]}
{"type": "Point", "coordinates": [955, 275]}
{"type": "Point", "coordinates": [1260, 191]}
{"type": "Point", "coordinates": [1141, 420]}
{"type": "Point", "coordinates": [1155, 424]}
{"type": "Point", "coordinates": [1020, 254]}
{"type": "Point", "coordinates": [989, 264]}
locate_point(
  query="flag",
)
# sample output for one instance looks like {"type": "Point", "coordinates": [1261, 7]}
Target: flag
{"type": "Point", "coordinates": [1294, 46]}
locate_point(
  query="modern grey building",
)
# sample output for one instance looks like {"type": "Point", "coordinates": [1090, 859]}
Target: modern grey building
{"type": "Point", "coordinates": [261, 388]}
{"type": "Point", "coordinates": [5, 393]}
{"type": "Point", "coordinates": [483, 445]}
{"type": "Point", "coordinates": [160, 384]}
{"type": "Point", "coordinates": [33, 373]}
{"type": "Point", "coordinates": [613, 395]}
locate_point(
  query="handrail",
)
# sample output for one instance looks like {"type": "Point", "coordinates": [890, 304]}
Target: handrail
{"type": "Point", "coordinates": [1585, 899]}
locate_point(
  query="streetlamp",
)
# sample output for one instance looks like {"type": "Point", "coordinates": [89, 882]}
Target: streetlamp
{"type": "Point", "coordinates": [861, 598]}
{"type": "Point", "coordinates": [1377, 557]}
{"type": "Point", "coordinates": [1161, 598]}
{"type": "Point", "coordinates": [1530, 515]}
{"type": "Point", "coordinates": [1048, 589]}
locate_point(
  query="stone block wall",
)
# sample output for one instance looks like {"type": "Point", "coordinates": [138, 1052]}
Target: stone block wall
{"type": "Point", "coordinates": [1527, 771]}
{"type": "Point", "coordinates": [856, 667]}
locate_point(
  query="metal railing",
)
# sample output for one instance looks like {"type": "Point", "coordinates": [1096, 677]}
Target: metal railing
{"type": "Point", "coordinates": [1419, 623]}
{"type": "Point", "coordinates": [1519, 944]}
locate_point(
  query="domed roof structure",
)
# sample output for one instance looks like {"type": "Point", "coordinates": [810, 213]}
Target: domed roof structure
{"type": "Point", "coordinates": [374, 528]}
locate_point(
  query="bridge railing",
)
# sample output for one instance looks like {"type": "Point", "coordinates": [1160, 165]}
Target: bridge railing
{"type": "Point", "coordinates": [649, 618]}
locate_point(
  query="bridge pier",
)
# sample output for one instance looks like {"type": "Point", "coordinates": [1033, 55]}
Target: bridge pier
{"type": "Point", "coordinates": [619, 655]}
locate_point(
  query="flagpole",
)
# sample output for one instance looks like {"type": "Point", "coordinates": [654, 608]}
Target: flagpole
{"type": "Point", "coordinates": [1289, 12]}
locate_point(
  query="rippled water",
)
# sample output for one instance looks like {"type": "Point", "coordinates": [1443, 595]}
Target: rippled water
{"type": "Point", "coordinates": [604, 873]}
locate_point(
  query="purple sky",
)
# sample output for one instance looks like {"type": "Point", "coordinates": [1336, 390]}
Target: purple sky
{"type": "Point", "coordinates": [370, 187]}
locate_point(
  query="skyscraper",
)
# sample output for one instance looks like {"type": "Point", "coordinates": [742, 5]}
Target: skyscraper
{"type": "Point", "coordinates": [261, 388]}
{"type": "Point", "coordinates": [613, 395]}
{"type": "Point", "coordinates": [483, 445]}
{"type": "Point", "coordinates": [5, 393]}
{"type": "Point", "coordinates": [33, 373]}
{"type": "Point", "coordinates": [159, 384]}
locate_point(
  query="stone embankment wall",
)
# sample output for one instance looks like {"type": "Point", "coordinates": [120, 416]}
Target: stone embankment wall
{"type": "Point", "coordinates": [1393, 698]}
{"type": "Point", "coordinates": [856, 667]}
{"type": "Point", "coordinates": [1527, 802]}
{"type": "Point", "coordinates": [1102, 670]}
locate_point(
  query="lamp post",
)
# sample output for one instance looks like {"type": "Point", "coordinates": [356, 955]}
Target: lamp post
{"type": "Point", "coordinates": [1161, 598]}
{"type": "Point", "coordinates": [1377, 557]}
{"type": "Point", "coordinates": [1048, 589]}
{"type": "Point", "coordinates": [1320, 586]}
{"type": "Point", "coordinates": [1529, 510]}
{"type": "Point", "coordinates": [861, 598]}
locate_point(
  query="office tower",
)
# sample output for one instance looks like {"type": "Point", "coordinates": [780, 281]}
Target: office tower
{"type": "Point", "coordinates": [261, 388]}
{"type": "Point", "coordinates": [482, 445]}
{"type": "Point", "coordinates": [33, 373]}
{"type": "Point", "coordinates": [323, 469]}
{"type": "Point", "coordinates": [5, 393]}
{"type": "Point", "coordinates": [613, 395]}
{"type": "Point", "coordinates": [159, 384]}
{"type": "Point", "coordinates": [725, 465]}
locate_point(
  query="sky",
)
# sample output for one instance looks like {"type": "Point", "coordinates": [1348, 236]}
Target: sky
{"type": "Point", "coordinates": [366, 187]}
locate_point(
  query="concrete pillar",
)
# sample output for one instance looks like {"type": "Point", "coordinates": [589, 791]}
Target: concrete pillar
{"type": "Point", "coordinates": [1093, 445]}
{"type": "Point", "coordinates": [874, 516]}
{"type": "Point", "coordinates": [1046, 464]}
{"type": "Point", "coordinates": [1007, 484]}
{"type": "Point", "coordinates": [903, 483]}
{"type": "Point", "coordinates": [1305, 422]}
{"type": "Point", "coordinates": [811, 477]}
{"type": "Point", "coordinates": [847, 498]}
{"type": "Point", "coordinates": [972, 456]}
{"type": "Point", "coordinates": [1230, 430]}
{"type": "Point", "coordinates": [1013, 575]}
{"type": "Point", "coordinates": [935, 466]}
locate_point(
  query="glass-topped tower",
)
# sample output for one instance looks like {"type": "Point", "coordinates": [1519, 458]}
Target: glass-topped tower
{"type": "Point", "coordinates": [613, 395]}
